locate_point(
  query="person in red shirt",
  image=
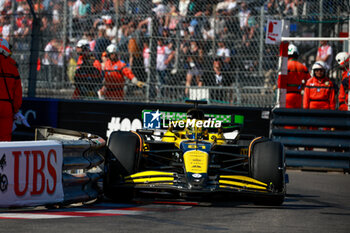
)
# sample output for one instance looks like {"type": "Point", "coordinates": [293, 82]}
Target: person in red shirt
{"type": "Point", "coordinates": [343, 60]}
{"type": "Point", "coordinates": [298, 74]}
{"type": "Point", "coordinates": [114, 72]}
{"type": "Point", "coordinates": [10, 91]}
{"type": "Point", "coordinates": [88, 76]}
{"type": "Point", "coordinates": [319, 90]}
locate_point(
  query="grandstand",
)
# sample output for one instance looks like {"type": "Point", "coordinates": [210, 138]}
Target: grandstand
{"type": "Point", "coordinates": [230, 30]}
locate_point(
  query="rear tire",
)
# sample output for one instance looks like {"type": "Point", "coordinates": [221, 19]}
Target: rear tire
{"type": "Point", "coordinates": [121, 160]}
{"type": "Point", "coordinates": [267, 164]}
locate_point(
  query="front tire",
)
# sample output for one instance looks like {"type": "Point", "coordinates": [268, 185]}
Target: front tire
{"type": "Point", "coordinates": [267, 164]}
{"type": "Point", "coordinates": [121, 160]}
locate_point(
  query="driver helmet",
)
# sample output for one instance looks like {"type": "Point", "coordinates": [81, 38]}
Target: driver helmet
{"type": "Point", "coordinates": [342, 58]}
{"type": "Point", "coordinates": [4, 47]}
{"type": "Point", "coordinates": [194, 113]}
{"type": "Point", "coordinates": [193, 132]}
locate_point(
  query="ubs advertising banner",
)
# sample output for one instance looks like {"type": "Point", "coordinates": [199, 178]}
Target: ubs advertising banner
{"type": "Point", "coordinates": [30, 173]}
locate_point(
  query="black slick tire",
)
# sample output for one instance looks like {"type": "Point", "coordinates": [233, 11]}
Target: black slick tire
{"type": "Point", "coordinates": [267, 164]}
{"type": "Point", "coordinates": [123, 150]}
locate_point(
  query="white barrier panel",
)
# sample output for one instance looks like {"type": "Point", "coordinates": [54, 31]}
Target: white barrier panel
{"type": "Point", "coordinates": [30, 173]}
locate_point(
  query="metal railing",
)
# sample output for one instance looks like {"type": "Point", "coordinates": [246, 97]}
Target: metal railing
{"type": "Point", "coordinates": [313, 138]}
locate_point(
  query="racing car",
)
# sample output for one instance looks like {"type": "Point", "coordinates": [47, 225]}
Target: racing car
{"type": "Point", "coordinates": [193, 157]}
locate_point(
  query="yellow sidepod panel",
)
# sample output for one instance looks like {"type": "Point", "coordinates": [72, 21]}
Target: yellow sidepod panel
{"type": "Point", "coordinates": [196, 161]}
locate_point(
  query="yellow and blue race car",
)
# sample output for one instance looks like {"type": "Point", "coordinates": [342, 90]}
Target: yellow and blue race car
{"type": "Point", "coordinates": [192, 156]}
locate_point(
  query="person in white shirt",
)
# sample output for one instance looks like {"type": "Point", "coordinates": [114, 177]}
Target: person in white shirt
{"type": "Point", "coordinates": [224, 53]}
{"type": "Point", "coordinates": [325, 54]}
{"type": "Point", "coordinates": [50, 61]}
{"type": "Point", "coordinates": [160, 8]}
{"type": "Point", "coordinates": [183, 7]}
{"type": "Point", "coordinates": [227, 5]}
{"type": "Point", "coordinates": [165, 55]}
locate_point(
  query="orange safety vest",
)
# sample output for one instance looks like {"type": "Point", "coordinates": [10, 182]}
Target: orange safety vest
{"type": "Point", "coordinates": [319, 94]}
{"type": "Point", "coordinates": [343, 92]}
{"type": "Point", "coordinates": [114, 79]}
{"type": "Point", "coordinates": [297, 76]}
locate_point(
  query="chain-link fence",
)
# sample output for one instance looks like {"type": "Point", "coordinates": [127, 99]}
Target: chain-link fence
{"type": "Point", "coordinates": [198, 49]}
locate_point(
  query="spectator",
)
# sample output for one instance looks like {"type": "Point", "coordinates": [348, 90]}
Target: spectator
{"type": "Point", "coordinates": [224, 53]}
{"type": "Point", "coordinates": [84, 9]}
{"type": "Point", "coordinates": [6, 28]}
{"type": "Point", "coordinates": [205, 19]}
{"type": "Point", "coordinates": [195, 63]}
{"type": "Point", "coordinates": [10, 91]}
{"type": "Point", "coordinates": [207, 32]}
{"type": "Point", "coordinates": [165, 55]}
{"type": "Point", "coordinates": [135, 52]}
{"type": "Point", "coordinates": [300, 8]}
{"type": "Point", "coordinates": [23, 27]}
{"type": "Point", "coordinates": [244, 15]}
{"type": "Point", "coordinates": [56, 18]}
{"type": "Point", "coordinates": [111, 29]}
{"type": "Point", "coordinates": [325, 54]}
{"type": "Point", "coordinates": [219, 79]}
{"type": "Point", "coordinates": [193, 7]}
{"type": "Point", "coordinates": [172, 18]}
{"type": "Point", "coordinates": [183, 7]}
{"type": "Point", "coordinates": [272, 7]}
{"type": "Point", "coordinates": [115, 71]}
{"type": "Point", "coordinates": [220, 21]}
{"type": "Point", "coordinates": [45, 30]}
{"type": "Point", "coordinates": [90, 36]}
{"type": "Point", "coordinates": [288, 7]}
{"type": "Point", "coordinates": [296, 79]}
{"type": "Point", "coordinates": [101, 44]}
{"type": "Point", "coordinates": [227, 5]}
{"type": "Point", "coordinates": [146, 56]}
{"type": "Point", "coordinates": [50, 61]}
{"type": "Point", "coordinates": [319, 90]}
{"type": "Point", "coordinates": [88, 77]}
{"type": "Point", "coordinates": [343, 60]}
{"type": "Point", "coordinates": [160, 9]}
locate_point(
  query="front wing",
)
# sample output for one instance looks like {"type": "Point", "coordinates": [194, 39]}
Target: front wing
{"type": "Point", "coordinates": [157, 180]}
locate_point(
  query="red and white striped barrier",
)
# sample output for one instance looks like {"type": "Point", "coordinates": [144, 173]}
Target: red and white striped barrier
{"type": "Point", "coordinates": [282, 75]}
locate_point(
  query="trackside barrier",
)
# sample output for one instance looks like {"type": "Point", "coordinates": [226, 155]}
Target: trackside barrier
{"type": "Point", "coordinates": [82, 155]}
{"type": "Point", "coordinates": [325, 145]}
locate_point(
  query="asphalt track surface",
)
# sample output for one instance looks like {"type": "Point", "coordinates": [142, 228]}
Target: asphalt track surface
{"type": "Point", "coordinates": [316, 202]}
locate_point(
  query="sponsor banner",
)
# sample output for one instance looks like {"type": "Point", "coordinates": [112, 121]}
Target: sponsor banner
{"type": "Point", "coordinates": [104, 117]}
{"type": "Point", "coordinates": [30, 173]}
{"type": "Point", "coordinates": [162, 119]}
{"type": "Point", "coordinates": [180, 116]}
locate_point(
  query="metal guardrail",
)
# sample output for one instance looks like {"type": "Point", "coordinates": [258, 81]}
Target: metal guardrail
{"type": "Point", "coordinates": [82, 155]}
{"type": "Point", "coordinates": [321, 138]}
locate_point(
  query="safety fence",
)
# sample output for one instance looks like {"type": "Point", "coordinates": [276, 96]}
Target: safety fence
{"type": "Point", "coordinates": [82, 161]}
{"type": "Point", "coordinates": [313, 138]}
{"type": "Point", "coordinates": [216, 47]}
